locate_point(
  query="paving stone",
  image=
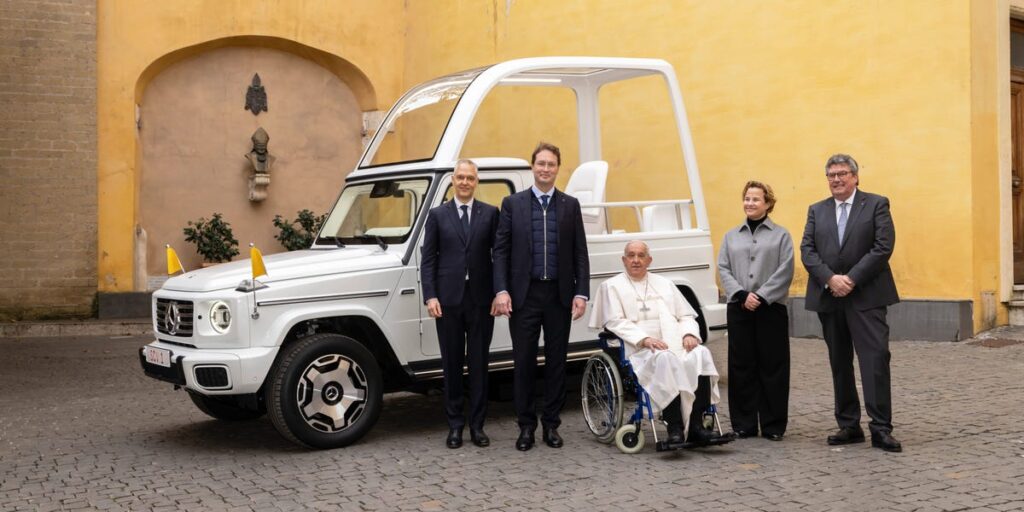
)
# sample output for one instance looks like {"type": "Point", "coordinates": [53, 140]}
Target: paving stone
{"type": "Point", "coordinates": [82, 428]}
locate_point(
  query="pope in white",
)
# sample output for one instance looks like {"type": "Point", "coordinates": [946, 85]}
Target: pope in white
{"type": "Point", "coordinates": [662, 342]}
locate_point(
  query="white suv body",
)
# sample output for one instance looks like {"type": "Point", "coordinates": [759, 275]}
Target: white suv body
{"type": "Point", "coordinates": [317, 341]}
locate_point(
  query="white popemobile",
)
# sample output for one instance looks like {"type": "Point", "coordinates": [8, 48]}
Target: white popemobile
{"type": "Point", "coordinates": [318, 341]}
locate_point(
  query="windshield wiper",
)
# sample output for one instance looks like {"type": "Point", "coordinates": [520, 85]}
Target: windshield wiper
{"type": "Point", "coordinates": [331, 239]}
{"type": "Point", "coordinates": [376, 238]}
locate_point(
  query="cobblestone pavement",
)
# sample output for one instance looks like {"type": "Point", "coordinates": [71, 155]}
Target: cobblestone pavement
{"type": "Point", "coordinates": [81, 428]}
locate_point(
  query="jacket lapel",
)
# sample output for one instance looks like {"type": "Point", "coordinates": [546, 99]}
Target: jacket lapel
{"type": "Point", "coordinates": [831, 223]}
{"type": "Point", "coordinates": [526, 216]}
{"type": "Point", "coordinates": [453, 216]}
{"type": "Point", "coordinates": [474, 221]}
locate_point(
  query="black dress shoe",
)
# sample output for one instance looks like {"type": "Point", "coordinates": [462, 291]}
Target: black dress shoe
{"type": "Point", "coordinates": [773, 437]}
{"type": "Point", "coordinates": [743, 434]}
{"type": "Point", "coordinates": [675, 434]}
{"type": "Point", "coordinates": [700, 437]}
{"type": "Point", "coordinates": [552, 439]}
{"type": "Point", "coordinates": [846, 435]}
{"type": "Point", "coordinates": [885, 441]}
{"type": "Point", "coordinates": [525, 441]}
{"type": "Point", "coordinates": [454, 438]}
{"type": "Point", "coordinates": [479, 438]}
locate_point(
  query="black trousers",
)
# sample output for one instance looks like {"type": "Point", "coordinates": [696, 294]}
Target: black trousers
{"type": "Point", "coordinates": [673, 414]}
{"type": "Point", "coordinates": [867, 332]}
{"type": "Point", "coordinates": [542, 309]}
{"type": "Point", "coordinates": [465, 330]}
{"type": "Point", "coordinates": [758, 368]}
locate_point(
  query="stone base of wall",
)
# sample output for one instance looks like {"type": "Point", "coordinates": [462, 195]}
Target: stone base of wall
{"type": "Point", "coordinates": [124, 305]}
{"type": "Point", "coordinates": [927, 320]}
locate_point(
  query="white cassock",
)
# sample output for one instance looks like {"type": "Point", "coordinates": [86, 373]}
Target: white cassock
{"type": "Point", "coordinates": [654, 307]}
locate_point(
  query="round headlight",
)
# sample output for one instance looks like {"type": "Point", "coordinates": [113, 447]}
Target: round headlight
{"type": "Point", "coordinates": [220, 317]}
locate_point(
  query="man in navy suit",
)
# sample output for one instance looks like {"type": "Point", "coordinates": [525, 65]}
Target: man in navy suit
{"type": "Point", "coordinates": [542, 275]}
{"type": "Point", "coordinates": [457, 277]}
{"type": "Point", "coordinates": [847, 243]}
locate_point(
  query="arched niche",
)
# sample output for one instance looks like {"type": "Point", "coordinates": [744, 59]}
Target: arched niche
{"type": "Point", "coordinates": [194, 134]}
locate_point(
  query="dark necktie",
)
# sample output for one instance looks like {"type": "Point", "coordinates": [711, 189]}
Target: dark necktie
{"type": "Point", "coordinates": [465, 220]}
{"type": "Point", "coordinates": [843, 217]}
{"type": "Point", "coordinates": [544, 202]}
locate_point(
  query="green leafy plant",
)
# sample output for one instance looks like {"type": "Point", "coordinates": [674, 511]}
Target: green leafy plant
{"type": "Point", "coordinates": [298, 237]}
{"type": "Point", "coordinates": [213, 238]}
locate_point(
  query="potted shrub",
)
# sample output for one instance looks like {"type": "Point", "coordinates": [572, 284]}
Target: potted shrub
{"type": "Point", "coordinates": [298, 234]}
{"type": "Point", "coordinates": [213, 238]}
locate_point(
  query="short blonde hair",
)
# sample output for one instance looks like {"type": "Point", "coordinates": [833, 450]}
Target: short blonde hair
{"type": "Point", "coordinates": [769, 194]}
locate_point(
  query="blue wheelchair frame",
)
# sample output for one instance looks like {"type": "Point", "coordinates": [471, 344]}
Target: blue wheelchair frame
{"type": "Point", "coordinates": [643, 409]}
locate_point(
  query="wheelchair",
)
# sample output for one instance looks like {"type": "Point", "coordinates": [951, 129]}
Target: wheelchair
{"type": "Point", "coordinates": [608, 381]}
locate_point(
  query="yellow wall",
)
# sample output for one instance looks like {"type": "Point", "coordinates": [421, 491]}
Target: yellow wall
{"type": "Point", "coordinates": [773, 89]}
{"type": "Point", "coordinates": [136, 39]}
{"type": "Point", "coordinates": [909, 88]}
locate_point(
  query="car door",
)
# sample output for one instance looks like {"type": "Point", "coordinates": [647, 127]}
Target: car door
{"type": "Point", "coordinates": [492, 189]}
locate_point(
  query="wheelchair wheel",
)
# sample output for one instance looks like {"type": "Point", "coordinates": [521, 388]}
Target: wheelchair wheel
{"type": "Point", "coordinates": [601, 391]}
{"type": "Point", "coordinates": [629, 439]}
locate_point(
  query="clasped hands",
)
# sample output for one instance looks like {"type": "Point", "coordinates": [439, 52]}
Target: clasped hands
{"type": "Point", "coordinates": [502, 306]}
{"type": "Point", "coordinates": [690, 342]}
{"type": "Point", "coordinates": [840, 285]}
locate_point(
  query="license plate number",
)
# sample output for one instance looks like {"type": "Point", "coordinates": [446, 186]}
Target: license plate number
{"type": "Point", "coordinates": [158, 356]}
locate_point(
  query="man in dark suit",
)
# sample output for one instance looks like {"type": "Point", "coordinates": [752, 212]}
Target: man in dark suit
{"type": "Point", "coordinates": [847, 243]}
{"type": "Point", "coordinates": [457, 277]}
{"type": "Point", "coordinates": [542, 275]}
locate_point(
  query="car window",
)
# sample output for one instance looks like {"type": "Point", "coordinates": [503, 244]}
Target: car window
{"type": "Point", "coordinates": [489, 191]}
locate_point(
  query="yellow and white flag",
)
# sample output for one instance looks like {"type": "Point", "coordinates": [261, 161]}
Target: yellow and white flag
{"type": "Point", "coordinates": [173, 263]}
{"type": "Point", "coordinates": [258, 268]}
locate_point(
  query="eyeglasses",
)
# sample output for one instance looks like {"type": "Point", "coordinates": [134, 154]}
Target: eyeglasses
{"type": "Point", "coordinates": [841, 175]}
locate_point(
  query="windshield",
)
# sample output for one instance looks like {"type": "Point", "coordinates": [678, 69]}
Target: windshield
{"type": "Point", "coordinates": [368, 213]}
{"type": "Point", "coordinates": [415, 126]}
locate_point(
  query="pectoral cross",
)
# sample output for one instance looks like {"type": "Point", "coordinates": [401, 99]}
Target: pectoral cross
{"type": "Point", "coordinates": [643, 305]}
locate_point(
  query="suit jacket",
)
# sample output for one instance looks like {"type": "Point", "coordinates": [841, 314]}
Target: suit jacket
{"type": "Point", "coordinates": [513, 246]}
{"type": "Point", "coordinates": [447, 254]}
{"type": "Point", "coordinates": [864, 256]}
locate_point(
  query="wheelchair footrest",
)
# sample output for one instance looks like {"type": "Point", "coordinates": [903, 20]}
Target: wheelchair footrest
{"type": "Point", "coordinates": [665, 446]}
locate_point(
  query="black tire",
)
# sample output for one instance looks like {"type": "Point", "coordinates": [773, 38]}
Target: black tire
{"type": "Point", "coordinates": [223, 409]}
{"type": "Point", "coordinates": [325, 391]}
{"type": "Point", "coordinates": [601, 394]}
{"type": "Point", "coordinates": [702, 323]}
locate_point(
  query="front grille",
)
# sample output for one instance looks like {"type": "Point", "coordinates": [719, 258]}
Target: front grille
{"type": "Point", "coordinates": [212, 377]}
{"type": "Point", "coordinates": [174, 317]}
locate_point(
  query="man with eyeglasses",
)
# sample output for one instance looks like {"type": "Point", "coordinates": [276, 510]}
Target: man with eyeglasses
{"type": "Point", "coordinates": [846, 246]}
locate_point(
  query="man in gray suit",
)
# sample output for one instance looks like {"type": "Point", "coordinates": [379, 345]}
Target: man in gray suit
{"type": "Point", "coordinates": [846, 246]}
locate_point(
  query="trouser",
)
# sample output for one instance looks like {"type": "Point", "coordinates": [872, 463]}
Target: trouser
{"type": "Point", "coordinates": [464, 335]}
{"type": "Point", "coordinates": [673, 414]}
{"type": "Point", "coordinates": [758, 368]}
{"type": "Point", "coordinates": [541, 309]}
{"type": "Point", "coordinates": [846, 329]}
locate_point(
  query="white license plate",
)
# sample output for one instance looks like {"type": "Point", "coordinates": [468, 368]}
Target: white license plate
{"type": "Point", "coordinates": [158, 356]}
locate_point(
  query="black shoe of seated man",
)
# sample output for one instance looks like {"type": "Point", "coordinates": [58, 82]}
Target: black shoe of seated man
{"type": "Point", "coordinates": [675, 434]}
{"type": "Point", "coordinates": [454, 438]}
{"type": "Point", "coordinates": [552, 439]}
{"type": "Point", "coordinates": [525, 441]}
{"type": "Point", "coordinates": [700, 437]}
{"type": "Point", "coordinates": [743, 433]}
{"type": "Point", "coordinates": [846, 435]}
{"type": "Point", "coordinates": [773, 437]}
{"type": "Point", "coordinates": [479, 438]}
{"type": "Point", "coordinates": [885, 441]}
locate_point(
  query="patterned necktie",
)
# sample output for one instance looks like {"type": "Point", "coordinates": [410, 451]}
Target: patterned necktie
{"type": "Point", "coordinates": [544, 202]}
{"type": "Point", "coordinates": [465, 219]}
{"type": "Point", "coordinates": [842, 221]}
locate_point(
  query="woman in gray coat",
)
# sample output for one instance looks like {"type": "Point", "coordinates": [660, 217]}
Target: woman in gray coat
{"type": "Point", "coordinates": [755, 263]}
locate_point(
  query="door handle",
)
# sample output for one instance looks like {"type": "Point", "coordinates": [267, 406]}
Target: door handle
{"type": "Point", "coordinates": [407, 291]}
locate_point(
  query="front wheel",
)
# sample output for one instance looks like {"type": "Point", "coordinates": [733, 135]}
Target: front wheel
{"type": "Point", "coordinates": [325, 391]}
